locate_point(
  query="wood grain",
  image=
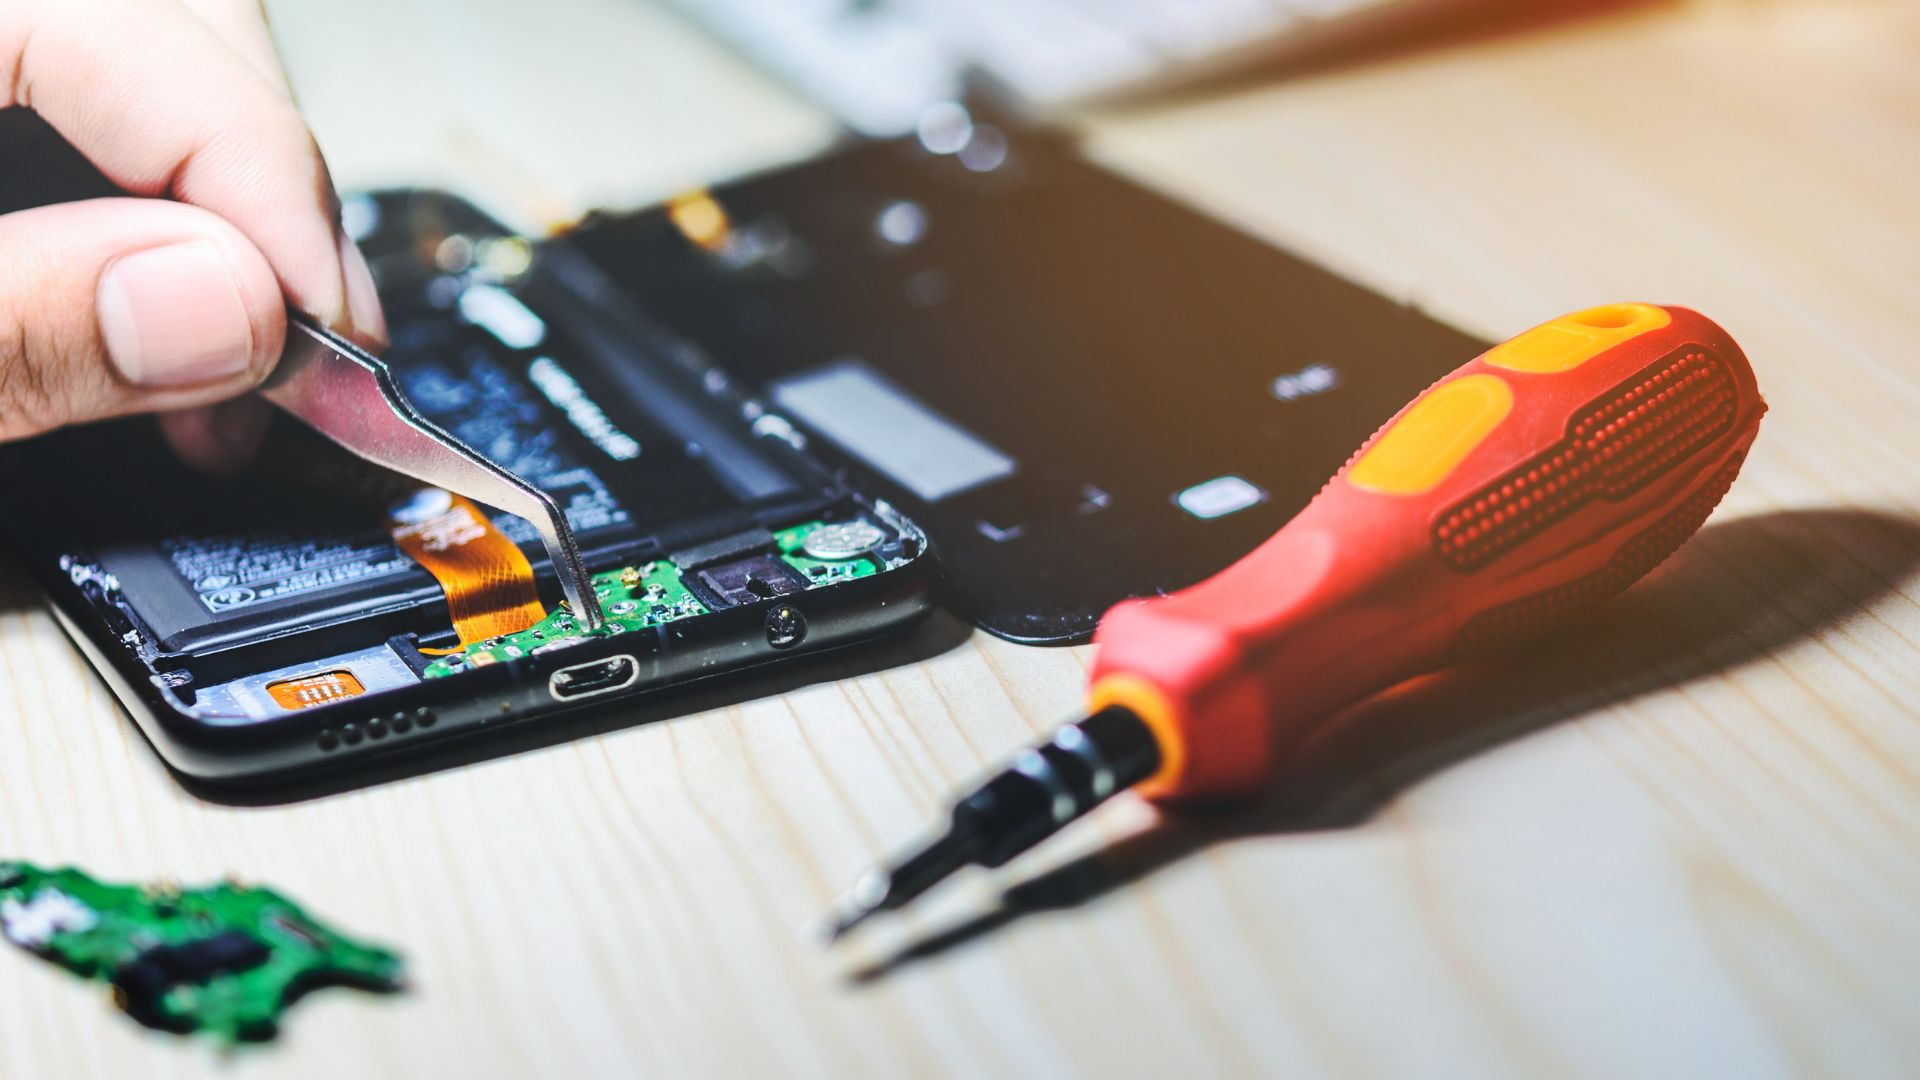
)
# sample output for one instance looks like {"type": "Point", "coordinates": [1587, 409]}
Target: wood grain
{"type": "Point", "coordinates": [1683, 841]}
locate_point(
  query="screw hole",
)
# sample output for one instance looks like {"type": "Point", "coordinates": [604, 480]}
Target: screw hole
{"type": "Point", "coordinates": [785, 627]}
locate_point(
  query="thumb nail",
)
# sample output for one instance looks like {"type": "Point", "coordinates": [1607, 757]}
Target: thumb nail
{"type": "Point", "coordinates": [363, 300]}
{"type": "Point", "coordinates": [173, 316]}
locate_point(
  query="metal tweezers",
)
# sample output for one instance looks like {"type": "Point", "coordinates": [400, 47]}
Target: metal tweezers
{"type": "Point", "coordinates": [351, 397]}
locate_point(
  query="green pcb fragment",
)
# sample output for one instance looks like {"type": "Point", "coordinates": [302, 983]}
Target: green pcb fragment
{"type": "Point", "coordinates": [226, 959]}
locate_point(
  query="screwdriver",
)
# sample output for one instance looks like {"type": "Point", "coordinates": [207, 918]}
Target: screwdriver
{"type": "Point", "coordinates": [1525, 488]}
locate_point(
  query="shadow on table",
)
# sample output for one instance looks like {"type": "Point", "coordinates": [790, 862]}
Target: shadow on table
{"type": "Point", "coordinates": [1735, 593]}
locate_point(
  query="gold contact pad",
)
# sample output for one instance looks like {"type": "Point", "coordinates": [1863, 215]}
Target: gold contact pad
{"type": "Point", "coordinates": [308, 691]}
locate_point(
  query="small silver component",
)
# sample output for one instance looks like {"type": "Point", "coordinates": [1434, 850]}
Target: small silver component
{"type": "Point", "coordinates": [842, 540]}
{"type": "Point", "coordinates": [563, 643]}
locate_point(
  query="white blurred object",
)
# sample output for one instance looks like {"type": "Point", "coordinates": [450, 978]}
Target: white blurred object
{"type": "Point", "coordinates": [538, 112]}
{"type": "Point", "coordinates": [879, 64]}
{"type": "Point", "coordinates": [32, 924]}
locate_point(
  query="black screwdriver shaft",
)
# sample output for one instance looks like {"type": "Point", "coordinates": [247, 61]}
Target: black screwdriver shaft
{"type": "Point", "coordinates": [1082, 766]}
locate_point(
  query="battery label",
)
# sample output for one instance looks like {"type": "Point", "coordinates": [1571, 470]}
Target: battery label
{"type": "Point", "coordinates": [235, 571]}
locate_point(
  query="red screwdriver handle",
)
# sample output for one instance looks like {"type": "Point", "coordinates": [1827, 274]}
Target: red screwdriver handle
{"type": "Point", "coordinates": [1528, 486]}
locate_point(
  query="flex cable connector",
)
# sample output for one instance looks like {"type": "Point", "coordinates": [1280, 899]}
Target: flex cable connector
{"type": "Point", "coordinates": [488, 581]}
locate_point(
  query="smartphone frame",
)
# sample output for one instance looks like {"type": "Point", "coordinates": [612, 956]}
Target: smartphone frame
{"type": "Point", "coordinates": [493, 700]}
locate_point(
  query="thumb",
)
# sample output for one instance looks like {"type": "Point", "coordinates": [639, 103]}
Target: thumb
{"type": "Point", "coordinates": [115, 306]}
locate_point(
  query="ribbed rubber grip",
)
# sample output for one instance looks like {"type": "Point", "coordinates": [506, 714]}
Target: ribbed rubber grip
{"type": "Point", "coordinates": [1620, 443]}
{"type": "Point", "coordinates": [1526, 619]}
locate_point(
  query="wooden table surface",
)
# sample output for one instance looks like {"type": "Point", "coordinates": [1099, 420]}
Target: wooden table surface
{"type": "Point", "coordinates": [1681, 841]}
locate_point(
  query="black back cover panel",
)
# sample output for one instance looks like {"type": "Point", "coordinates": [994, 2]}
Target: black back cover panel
{"type": "Point", "coordinates": [1117, 347]}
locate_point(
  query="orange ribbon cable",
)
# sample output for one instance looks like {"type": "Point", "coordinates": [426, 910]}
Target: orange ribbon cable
{"type": "Point", "coordinates": [488, 581]}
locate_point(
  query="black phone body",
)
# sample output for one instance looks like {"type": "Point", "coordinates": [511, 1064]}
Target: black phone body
{"type": "Point", "coordinates": [1112, 394]}
{"type": "Point", "coordinates": [198, 596]}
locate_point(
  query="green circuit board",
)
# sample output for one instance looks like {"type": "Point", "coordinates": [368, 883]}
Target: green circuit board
{"type": "Point", "coordinates": [655, 593]}
{"type": "Point", "coordinates": [225, 959]}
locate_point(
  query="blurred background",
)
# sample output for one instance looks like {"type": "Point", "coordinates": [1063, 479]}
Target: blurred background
{"type": "Point", "coordinates": [1364, 147]}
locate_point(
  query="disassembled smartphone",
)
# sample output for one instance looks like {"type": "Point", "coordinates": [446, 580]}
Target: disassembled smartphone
{"type": "Point", "coordinates": [274, 621]}
{"type": "Point", "coordinates": [745, 400]}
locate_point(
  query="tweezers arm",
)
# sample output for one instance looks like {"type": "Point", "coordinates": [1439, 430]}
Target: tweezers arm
{"type": "Point", "coordinates": [351, 397]}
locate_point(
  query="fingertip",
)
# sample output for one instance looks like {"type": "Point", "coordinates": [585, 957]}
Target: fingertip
{"type": "Point", "coordinates": [176, 315]}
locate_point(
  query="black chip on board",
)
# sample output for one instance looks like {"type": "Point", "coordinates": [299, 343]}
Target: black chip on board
{"type": "Point", "coordinates": [762, 577]}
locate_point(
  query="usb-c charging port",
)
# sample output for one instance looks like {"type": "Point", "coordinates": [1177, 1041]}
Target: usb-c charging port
{"type": "Point", "coordinates": [598, 677]}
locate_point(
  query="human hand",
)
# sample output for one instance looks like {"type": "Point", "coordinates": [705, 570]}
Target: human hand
{"type": "Point", "coordinates": [174, 304]}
